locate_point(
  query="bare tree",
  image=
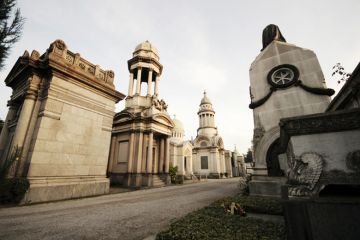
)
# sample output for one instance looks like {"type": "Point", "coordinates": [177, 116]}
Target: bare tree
{"type": "Point", "coordinates": [10, 28]}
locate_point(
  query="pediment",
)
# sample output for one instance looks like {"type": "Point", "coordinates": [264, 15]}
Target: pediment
{"type": "Point", "coordinates": [123, 116]}
{"type": "Point", "coordinates": [164, 119]}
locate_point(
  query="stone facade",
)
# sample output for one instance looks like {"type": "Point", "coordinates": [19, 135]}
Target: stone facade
{"type": "Point", "coordinates": [140, 145]}
{"type": "Point", "coordinates": [60, 116]}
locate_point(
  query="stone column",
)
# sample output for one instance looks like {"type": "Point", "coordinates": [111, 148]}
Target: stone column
{"type": "Point", "coordinates": [144, 152]}
{"type": "Point", "coordinates": [22, 126]}
{"type": "Point", "coordinates": [157, 84]}
{"type": "Point", "coordinates": [4, 137]}
{"type": "Point", "coordinates": [149, 82]}
{"type": "Point", "coordinates": [138, 81]}
{"type": "Point", "coordinates": [139, 152]}
{"type": "Point", "coordinates": [131, 84]}
{"type": "Point", "coordinates": [161, 162]}
{"type": "Point", "coordinates": [167, 154]}
{"type": "Point", "coordinates": [23, 121]}
{"type": "Point", "coordinates": [156, 160]}
{"type": "Point", "coordinates": [131, 153]}
{"type": "Point", "coordinates": [150, 153]}
{"type": "Point", "coordinates": [112, 154]}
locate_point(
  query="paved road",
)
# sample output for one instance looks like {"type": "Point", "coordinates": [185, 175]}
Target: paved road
{"type": "Point", "coordinates": [130, 215]}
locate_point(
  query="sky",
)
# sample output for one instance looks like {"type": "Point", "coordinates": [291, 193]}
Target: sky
{"type": "Point", "coordinates": [203, 45]}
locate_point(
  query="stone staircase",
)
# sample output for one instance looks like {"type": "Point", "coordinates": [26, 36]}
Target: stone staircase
{"type": "Point", "coordinates": [157, 181]}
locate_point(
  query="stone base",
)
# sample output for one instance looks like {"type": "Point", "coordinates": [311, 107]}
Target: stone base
{"type": "Point", "coordinates": [138, 180]}
{"type": "Point", "coordinates": [322, 218]}
{"type": "Point", "coordinates": [266, 186]}
{"type": "Point", "coordinates": [45, 189]}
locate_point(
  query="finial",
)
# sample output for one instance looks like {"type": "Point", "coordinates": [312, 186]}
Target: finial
{"type": "Point", "coordinates": [174, 116]}
{"type": "Point", "coordinates": [204, 92]}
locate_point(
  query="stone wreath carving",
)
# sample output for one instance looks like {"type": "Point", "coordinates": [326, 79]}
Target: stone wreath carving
{"type": "Point", "coordinates": [284, 76]}
{"type": "Point", "coordinates": [304, 174]}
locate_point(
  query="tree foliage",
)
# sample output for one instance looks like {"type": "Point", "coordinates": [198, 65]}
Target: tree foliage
{"type": "Point", "coordinates": [10, 28]}
{"type": "Point", "coordinates": [339, 70]}
{"type": "Point", "coordinates": [248, 157]}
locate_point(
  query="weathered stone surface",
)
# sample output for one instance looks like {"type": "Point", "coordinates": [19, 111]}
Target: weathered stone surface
{"type": "Point", "coordinates": [64, 124]}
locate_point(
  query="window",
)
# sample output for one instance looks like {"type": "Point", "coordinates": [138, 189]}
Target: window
{"type": "Point", "coordinates": [123, 152]}
{"type": "Point", "coordinates": [204, 162]}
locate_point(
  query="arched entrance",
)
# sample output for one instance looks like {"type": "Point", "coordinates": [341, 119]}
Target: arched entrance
{"type": "Point", "coordinates": [272, 160]}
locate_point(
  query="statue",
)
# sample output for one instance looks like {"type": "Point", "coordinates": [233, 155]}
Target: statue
{"type": "Point", "coordinates": [271, 33]}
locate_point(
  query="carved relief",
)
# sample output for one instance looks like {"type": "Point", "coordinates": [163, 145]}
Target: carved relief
{"type": "Point", "coordinates": [304, 173]}
{"type": "Point", "coordinates": [69, 59]}
{"type": "Point", "coordinates": [91, 70]}
{"type": "Point", "coordinates": [257, 135]}
{"type": "Point", "coordinates": [159, 104]}
{"type": "Point", "coordinates": [82, 65]}
{"type": "Point", "coordinates": [60, 44]}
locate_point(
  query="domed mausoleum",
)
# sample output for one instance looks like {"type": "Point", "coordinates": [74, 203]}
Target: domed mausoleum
{"type": "Point", "coordinates": [180, 150]}
{"type": "Point", "coordinates": [209, 152]}
{"type": "Point", "coordinates": [140, 146]}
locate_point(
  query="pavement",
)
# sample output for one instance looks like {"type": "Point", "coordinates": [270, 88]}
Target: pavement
{"type": "Point", "coordinates": [128, 215]}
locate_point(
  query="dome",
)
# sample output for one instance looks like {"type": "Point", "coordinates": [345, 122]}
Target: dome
{"type": "Point", "coordinates": [178, 124]}
{"type": "Point", "coordinates": [146, 49]}
{"type": "Point", "coordinates": [205, 99]}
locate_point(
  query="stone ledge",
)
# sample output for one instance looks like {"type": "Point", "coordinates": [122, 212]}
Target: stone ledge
{"type": "Point", "coordinates": [45, 189]}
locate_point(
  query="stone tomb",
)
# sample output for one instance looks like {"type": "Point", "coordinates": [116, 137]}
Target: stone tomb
{"type": "Point", "coordinates": [286, 81]}
{"type": "Point", "coordinates": [323, 154]}
{"type": "Point", "coordinates": [60, 115]}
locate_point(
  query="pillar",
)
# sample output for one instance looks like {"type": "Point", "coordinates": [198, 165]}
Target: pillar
{"type": "Point", "coordinates": [144, 152]}
{"type": "Point", "coordinates": [167, 154]}
{"type": "Point", "coordinates": [150, 153]}
{"type": "Point", "coordinates": [161, 162]}
{"type": "Point", "coordinates": [131, 153]}
{"type": "Point", "coordinates": [139, 152]}
{"type": "Point", "coordinates": [131, 84]}
{"type": "Point", "coordinates": [4, 137]}
{"type": "Point", "coordinates": [149, 82]}
{"type": "Point", "coordinates": [157, 84]}
{"type": "Point", "coordinates": [112, 154]}
{"type": "Point", "coordinates": [138, 81]}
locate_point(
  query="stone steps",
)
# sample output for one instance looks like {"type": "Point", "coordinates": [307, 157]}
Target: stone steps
{"type": "Point", "coordinates": [157, 182]}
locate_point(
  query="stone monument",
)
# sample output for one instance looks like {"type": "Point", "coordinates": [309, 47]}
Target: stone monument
{"type": "Point", "coordinates": [140, 145]}
{"type": "Point", "coordinates": [60, 116]}
{"type": "Point", "coordinates": [285, 81]}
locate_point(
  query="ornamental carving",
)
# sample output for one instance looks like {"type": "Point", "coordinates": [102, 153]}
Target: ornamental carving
{"type": "Point", "coordinates": [304, 173]}
{"type": "Point", "coordinates": [159, 104]}
{"type": "Point", "coordinates": [69, 59]}
{"type": "Point", "coordinates": [60, 44]}
{"type": "Point", "coordinates": [257, 135]}
{"type": "Point", "coordinates": [82, 65]}
{"type": "Point", "coordinates": [332, 122]}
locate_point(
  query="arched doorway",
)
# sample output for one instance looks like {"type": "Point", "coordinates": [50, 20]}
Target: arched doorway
{"type": "Point", "coordinates": [272, 160]}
